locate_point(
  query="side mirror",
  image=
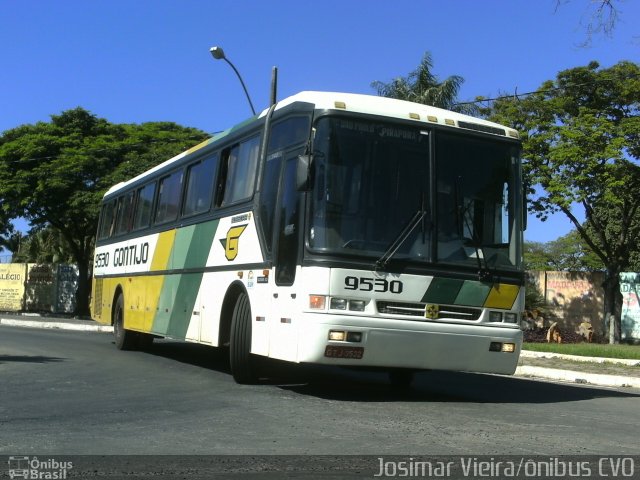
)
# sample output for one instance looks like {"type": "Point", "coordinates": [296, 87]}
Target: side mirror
{"type": "Point", "coordinates": [303, 171]}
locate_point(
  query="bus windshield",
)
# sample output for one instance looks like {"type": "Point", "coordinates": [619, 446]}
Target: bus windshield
{"type": "Point", "coordinates": [373, 195]}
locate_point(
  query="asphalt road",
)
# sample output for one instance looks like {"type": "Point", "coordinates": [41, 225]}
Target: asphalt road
{"type": "Point", "coordinates": [73, 393]}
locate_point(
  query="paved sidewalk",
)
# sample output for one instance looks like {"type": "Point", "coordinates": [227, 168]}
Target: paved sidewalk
{"type": "Point", "coordinates": [45, 321]}
{"type": "Point", "coordinates": [608, 372]}
{"type": "Point", "coordinates": [582, 370]}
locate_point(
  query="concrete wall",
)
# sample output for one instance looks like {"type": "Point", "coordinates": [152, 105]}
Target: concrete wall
{"type": "Point", "coordinates": [38, 287]}
{"type": "Point", "coordinates": [575, 297]}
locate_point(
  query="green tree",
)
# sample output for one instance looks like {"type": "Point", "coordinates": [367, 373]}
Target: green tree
{"type": "Point", "coordinates": [568, 253]}
{"type": "Point", "coordinates": [581, 145]}
{"type": "Point", "coordinates": [44, 245]}
{"type": "Point", "coordinates": [55, 173]}
{"type": "Point", "coordinates": [536, 256]}
{"type": "Point", "coordinates": [9, 239]}
{"type": "Point", "coordinates": [422, 86]}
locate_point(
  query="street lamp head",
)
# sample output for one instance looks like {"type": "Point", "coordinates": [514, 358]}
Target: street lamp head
{"type": "Point", "coordinates": [217, 53]}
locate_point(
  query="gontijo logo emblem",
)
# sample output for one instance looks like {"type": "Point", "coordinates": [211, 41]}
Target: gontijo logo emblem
{"type": "Point", "coordinates": [230, 244]}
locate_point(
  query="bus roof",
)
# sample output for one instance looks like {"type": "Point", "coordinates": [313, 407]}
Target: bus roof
{"type": "Point", "coordinates": [393, 108]}
{"type": "Point", "coordinates": [357, 103]}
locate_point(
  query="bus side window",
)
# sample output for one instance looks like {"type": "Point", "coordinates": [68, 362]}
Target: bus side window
{"type": "Point", "coordinates": [125, 208]}
{"type": "Point", "coordinates": [144, 202]}
{"type": "Point", "coordinates": [269, 197]}
{"type": "Point", "coordinates": [199, 186]}
{"type": "Point", "coordinates": [241, 165]}
{"type": "Point", "coordinates": [286, 133]}
{"type": "Point", "coordinates": [169, 198]}
{"type": "Point", "coordinates": [107, 219]}
{"type": "Point", "coordinates": [288, 226]}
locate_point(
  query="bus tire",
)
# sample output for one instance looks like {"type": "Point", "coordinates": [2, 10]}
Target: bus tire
{"type": "Point", "coordinates": [240, 357]}
{"type": "Point", "coordinates": [125, 339]}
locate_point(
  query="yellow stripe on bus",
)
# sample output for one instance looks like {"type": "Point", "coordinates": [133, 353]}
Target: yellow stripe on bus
{"type": "Point", "coordinates": [163, 250]}
{"type": "Point", "coordinates": [502, 296]}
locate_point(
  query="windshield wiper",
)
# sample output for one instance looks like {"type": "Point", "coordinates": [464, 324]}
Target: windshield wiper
{"type": "Point", "coordinates": [484, 273]}
{"type": "Point", "coordinates": [401, 238]}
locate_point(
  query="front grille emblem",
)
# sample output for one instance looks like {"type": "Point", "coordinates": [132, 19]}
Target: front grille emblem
{"type": "Point", "coordinates": [431, 311]}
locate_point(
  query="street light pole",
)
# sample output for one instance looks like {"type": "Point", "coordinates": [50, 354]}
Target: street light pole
{"type": "Point", "coordinates": [218, 54]}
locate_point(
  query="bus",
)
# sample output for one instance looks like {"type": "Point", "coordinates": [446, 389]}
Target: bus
{"type": "Point", "coordinates": [331, 228]}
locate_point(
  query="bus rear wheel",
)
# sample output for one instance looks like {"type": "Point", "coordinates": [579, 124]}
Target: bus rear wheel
{"type": "Point", "coordinates": [241, 360]}
{"type": "Point", "coordinates": [125, 339]}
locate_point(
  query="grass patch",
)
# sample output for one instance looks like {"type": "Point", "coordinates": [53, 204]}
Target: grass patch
{"type": "Point", "coordinates": [587, 349]}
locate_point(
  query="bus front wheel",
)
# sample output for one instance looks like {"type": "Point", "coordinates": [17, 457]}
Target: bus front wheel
{"type": "Point", "coordinates": [240, 357]}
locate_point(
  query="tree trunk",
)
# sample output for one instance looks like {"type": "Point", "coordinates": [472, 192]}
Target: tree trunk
{"type": "Point", "coordinates": [83, 291]}
{"type": "Point", "coordinates": [612, 305]}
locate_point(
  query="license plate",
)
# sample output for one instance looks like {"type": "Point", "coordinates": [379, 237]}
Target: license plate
{"type": "Point", "coordinates": [335, 351]}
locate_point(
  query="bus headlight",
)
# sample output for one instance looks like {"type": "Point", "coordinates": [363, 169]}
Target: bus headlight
{"type": "Point", "coordinates": [338, 304]}
{"type": "Point", "coordinates": [357, 305]}
{"type": "Point", "coordinates": [337, 336]}
{"type": "Point", "coordinates": [502, 347]}
{"type": "Point", "coordinates": [511, 317]}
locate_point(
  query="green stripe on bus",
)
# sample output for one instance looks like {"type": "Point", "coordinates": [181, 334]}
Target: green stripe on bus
{"type": "Point", "coordinates": [181, 246]}
{"type": "Point", "coordinates": [200, 245]}
{"type": "Point", "coordinates": [190, 250]}
{"type": "Point", "coordinates": [195, 256]}
{"type": "Point", "coordinates": [165, 304]}
{"type": "Point", "coordinates": [442, 290]}
{"type": "Point", "coordinates": [183, 307]}
{"type": "Point", "coordinates": [473, 293]}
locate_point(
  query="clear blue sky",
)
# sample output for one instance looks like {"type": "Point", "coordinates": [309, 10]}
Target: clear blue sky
{"type": "Point", "coordinates": [133, 61]}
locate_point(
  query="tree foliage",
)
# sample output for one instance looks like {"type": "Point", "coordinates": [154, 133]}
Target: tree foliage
{"type": "Point", "coordinates": [581, 140]}
{"type": "Point", "coordinates": [422, 86]}
{"type": "Point", "coordinates": [44, 245]}
{"type": "Point", "coordinates": [568, 253]}
{"type": "Point", "coordinates": [55, 173]}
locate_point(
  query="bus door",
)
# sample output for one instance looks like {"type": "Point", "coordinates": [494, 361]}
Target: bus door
{"type": "Point", "coordinates": [288, 237]}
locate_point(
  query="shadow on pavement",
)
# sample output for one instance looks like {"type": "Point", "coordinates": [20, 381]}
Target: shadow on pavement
{"type": "Point", "coordinates": [29, 359]}
{"type": "Point", "coordinates": [335, 383]}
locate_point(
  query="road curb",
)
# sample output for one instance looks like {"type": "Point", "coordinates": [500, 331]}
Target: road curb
{"type": "Point", "coordinates": [577, 358]}
{"type": "Point", "coordinates": [82, 327]}
{"type": "Point", "coordinates": [577, 377]}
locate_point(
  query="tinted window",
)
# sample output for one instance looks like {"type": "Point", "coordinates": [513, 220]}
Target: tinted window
{"type": "Point", "coordinates": [169, 198]}
{"type": "Point", "coordinates": [125, 209]}
{"type": "Point", "coordinates": [199, 186]}
{"type": "Point", "coordinates": [269, 197]}
{"type": "Point", "coordinates": [242, 162]}
{"type": "Point", "coordinates": [142, 216]}
{"type": "Point", "coordinates": [288, 236]}
{"type": "Point", "coordinates": [107, 219]}
{"type": "Point", "coordinates": [289, 132]}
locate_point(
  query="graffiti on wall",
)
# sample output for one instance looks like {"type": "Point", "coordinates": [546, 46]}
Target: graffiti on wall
{"type": "Point", "coordinates": [12, 277]}
{"type": "Point", "coordinates": [630, 318]}
{"type": "Point", "coordinates": [38, 287]}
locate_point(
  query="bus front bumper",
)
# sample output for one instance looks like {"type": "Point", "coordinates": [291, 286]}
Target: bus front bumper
{"type": "Point", "coordinates": [409, 344]}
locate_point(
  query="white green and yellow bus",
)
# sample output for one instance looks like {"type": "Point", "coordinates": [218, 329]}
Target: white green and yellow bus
{"type": "Point", "coordinates": [332, 228]}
